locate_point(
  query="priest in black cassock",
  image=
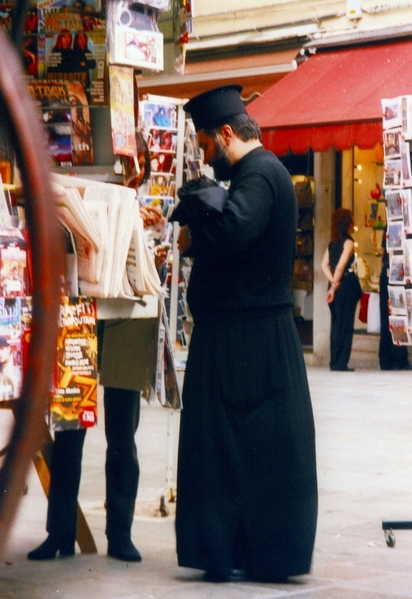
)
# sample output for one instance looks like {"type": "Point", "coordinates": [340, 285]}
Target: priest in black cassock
{"type": "Point", "coordinates": [246, 486]}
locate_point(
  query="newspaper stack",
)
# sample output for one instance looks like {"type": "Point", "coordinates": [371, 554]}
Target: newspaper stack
{"type": "Point", "coordinates": [110, 255]}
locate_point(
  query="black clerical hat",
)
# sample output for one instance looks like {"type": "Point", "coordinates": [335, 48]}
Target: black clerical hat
{"type": "Point", "coordinates": [210, 109]}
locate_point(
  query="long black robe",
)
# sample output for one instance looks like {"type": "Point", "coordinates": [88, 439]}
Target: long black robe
{"type": "Point", "coordinates": [247, 490]}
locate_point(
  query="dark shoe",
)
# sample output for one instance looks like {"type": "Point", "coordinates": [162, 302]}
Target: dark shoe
{"type": "Point", "coordinates": [272, 580]}
{"type": "Point", "coordinates": [232, 575]}
{"type": "Point", "coordinates": [50, 548]}
{"type": "Point", "coordinates": [124, 550]}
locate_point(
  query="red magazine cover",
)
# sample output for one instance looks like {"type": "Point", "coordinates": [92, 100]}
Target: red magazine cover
{"type": "Point", "coordinates": [73, 402]}
{"type": "Point", "coordinates": [75, 50]}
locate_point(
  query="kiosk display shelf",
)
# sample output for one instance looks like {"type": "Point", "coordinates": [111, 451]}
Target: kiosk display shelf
{"type": "Point", "coordinates": [397, 183]}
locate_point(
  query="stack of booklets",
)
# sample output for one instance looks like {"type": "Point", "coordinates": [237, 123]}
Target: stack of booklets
{"type": "Point", "coordinates": [110, 251]}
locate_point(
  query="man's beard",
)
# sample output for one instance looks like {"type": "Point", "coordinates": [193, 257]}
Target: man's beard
{"type": "Point", "coordinates": [220, 163]}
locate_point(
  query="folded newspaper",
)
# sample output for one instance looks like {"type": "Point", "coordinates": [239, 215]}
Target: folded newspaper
{"type": "Point", "coordinates": [113, 256]}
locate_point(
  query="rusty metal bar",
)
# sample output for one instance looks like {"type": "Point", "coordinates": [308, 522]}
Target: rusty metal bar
{"type": "Point", "coordinates": [23, 120]}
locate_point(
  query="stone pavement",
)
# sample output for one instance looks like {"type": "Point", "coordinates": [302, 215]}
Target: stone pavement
{"type": "Point", "coordinates": [364, 441]}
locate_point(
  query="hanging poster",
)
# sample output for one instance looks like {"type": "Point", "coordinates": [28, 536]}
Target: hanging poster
{"type": "Point", "coordinates": [122, 110]}
{"type": "Point", "coordinates": [133, 36]}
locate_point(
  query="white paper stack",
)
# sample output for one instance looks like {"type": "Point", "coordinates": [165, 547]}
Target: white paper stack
{"type": "Point", "coordinates": [113, 257]}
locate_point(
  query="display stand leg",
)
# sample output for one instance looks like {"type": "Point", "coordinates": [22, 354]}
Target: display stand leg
{"type": "Point", "coordinates": [170, 492]}
{"type": "Point", "coordinates": [389, 525]}
{"type": "Point", "coordinates": [41, 462]}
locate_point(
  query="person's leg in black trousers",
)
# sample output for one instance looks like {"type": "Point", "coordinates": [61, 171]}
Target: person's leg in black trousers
{"type": "Point", "coordinates": [122, 412]}
{"type": "Point", "coordinates": [341, 335]}
{"type": "Point", "coordinates": [342, 318]}
{"type": "Point", "coordinates": [65, 474]}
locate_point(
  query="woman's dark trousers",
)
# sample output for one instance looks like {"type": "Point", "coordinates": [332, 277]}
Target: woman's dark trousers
{"type": "Point", "coordinates": [65, 473]}
{"type": "Point", "coordinates": [122, 412]}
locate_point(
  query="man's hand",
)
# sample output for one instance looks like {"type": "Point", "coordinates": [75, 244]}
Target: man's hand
{"type": "Point", "coordinates": [184, 241]}
{"type": "Point", "coordinates": [152, 216]}
{"type": "Point", "coordinates": [160, 255]}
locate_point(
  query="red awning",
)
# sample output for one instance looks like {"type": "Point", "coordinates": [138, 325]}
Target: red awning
{"type": "Point", "coordinates": [334, 99]}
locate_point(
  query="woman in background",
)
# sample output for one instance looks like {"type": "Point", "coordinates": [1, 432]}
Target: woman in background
{"type": "Point", "coordinates": [344, 290]}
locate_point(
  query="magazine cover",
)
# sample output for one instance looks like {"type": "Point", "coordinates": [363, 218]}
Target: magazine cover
{"type": "Point", "coordinates": [6, 11]}
{"type": "Point", "coordinates": [82, 139]}
{"type": "Point", "coordinates": [161, 185]}
{"type": "Point", "coordinates": [78, 15]}
{"type": "Point", "coordinates": [67, 118]}
{"type": "Point", "coordinates": [26, 311]}
{"type": "Point", "coordinates": [13, 264]}
{"type": "Point", "coordinates": [73, 402]}
{"type": "Point", "coordinates": [75, 49]}
{"type": "Point", "coordinates": [11, 358]}
{"type": "Point", "coordinates": [167, 381]}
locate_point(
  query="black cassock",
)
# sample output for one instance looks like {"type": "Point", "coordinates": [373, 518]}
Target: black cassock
{"type": "Point", "coordinates": [247, 490]}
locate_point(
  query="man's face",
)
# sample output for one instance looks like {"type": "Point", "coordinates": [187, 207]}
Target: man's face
{"type": "Point", "coordinates": [215, 154]}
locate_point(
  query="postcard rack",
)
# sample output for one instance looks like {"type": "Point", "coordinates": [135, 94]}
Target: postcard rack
{"type": "Point", "coordinates": [397, 139]}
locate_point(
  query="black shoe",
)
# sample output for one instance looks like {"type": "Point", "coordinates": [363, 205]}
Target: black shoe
{"type": "Point", "coordinates": [346, 369]}
{"type": "Point", "coordinates": [50, 547]}
{"type": "Point", "coordinates": [232, 575]}
{"type": "Point", "coordinates": [124, 550]}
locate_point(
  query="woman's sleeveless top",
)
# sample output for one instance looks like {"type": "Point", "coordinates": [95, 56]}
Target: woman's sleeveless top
{"type": "Point", "coordinates": [335, 252]}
